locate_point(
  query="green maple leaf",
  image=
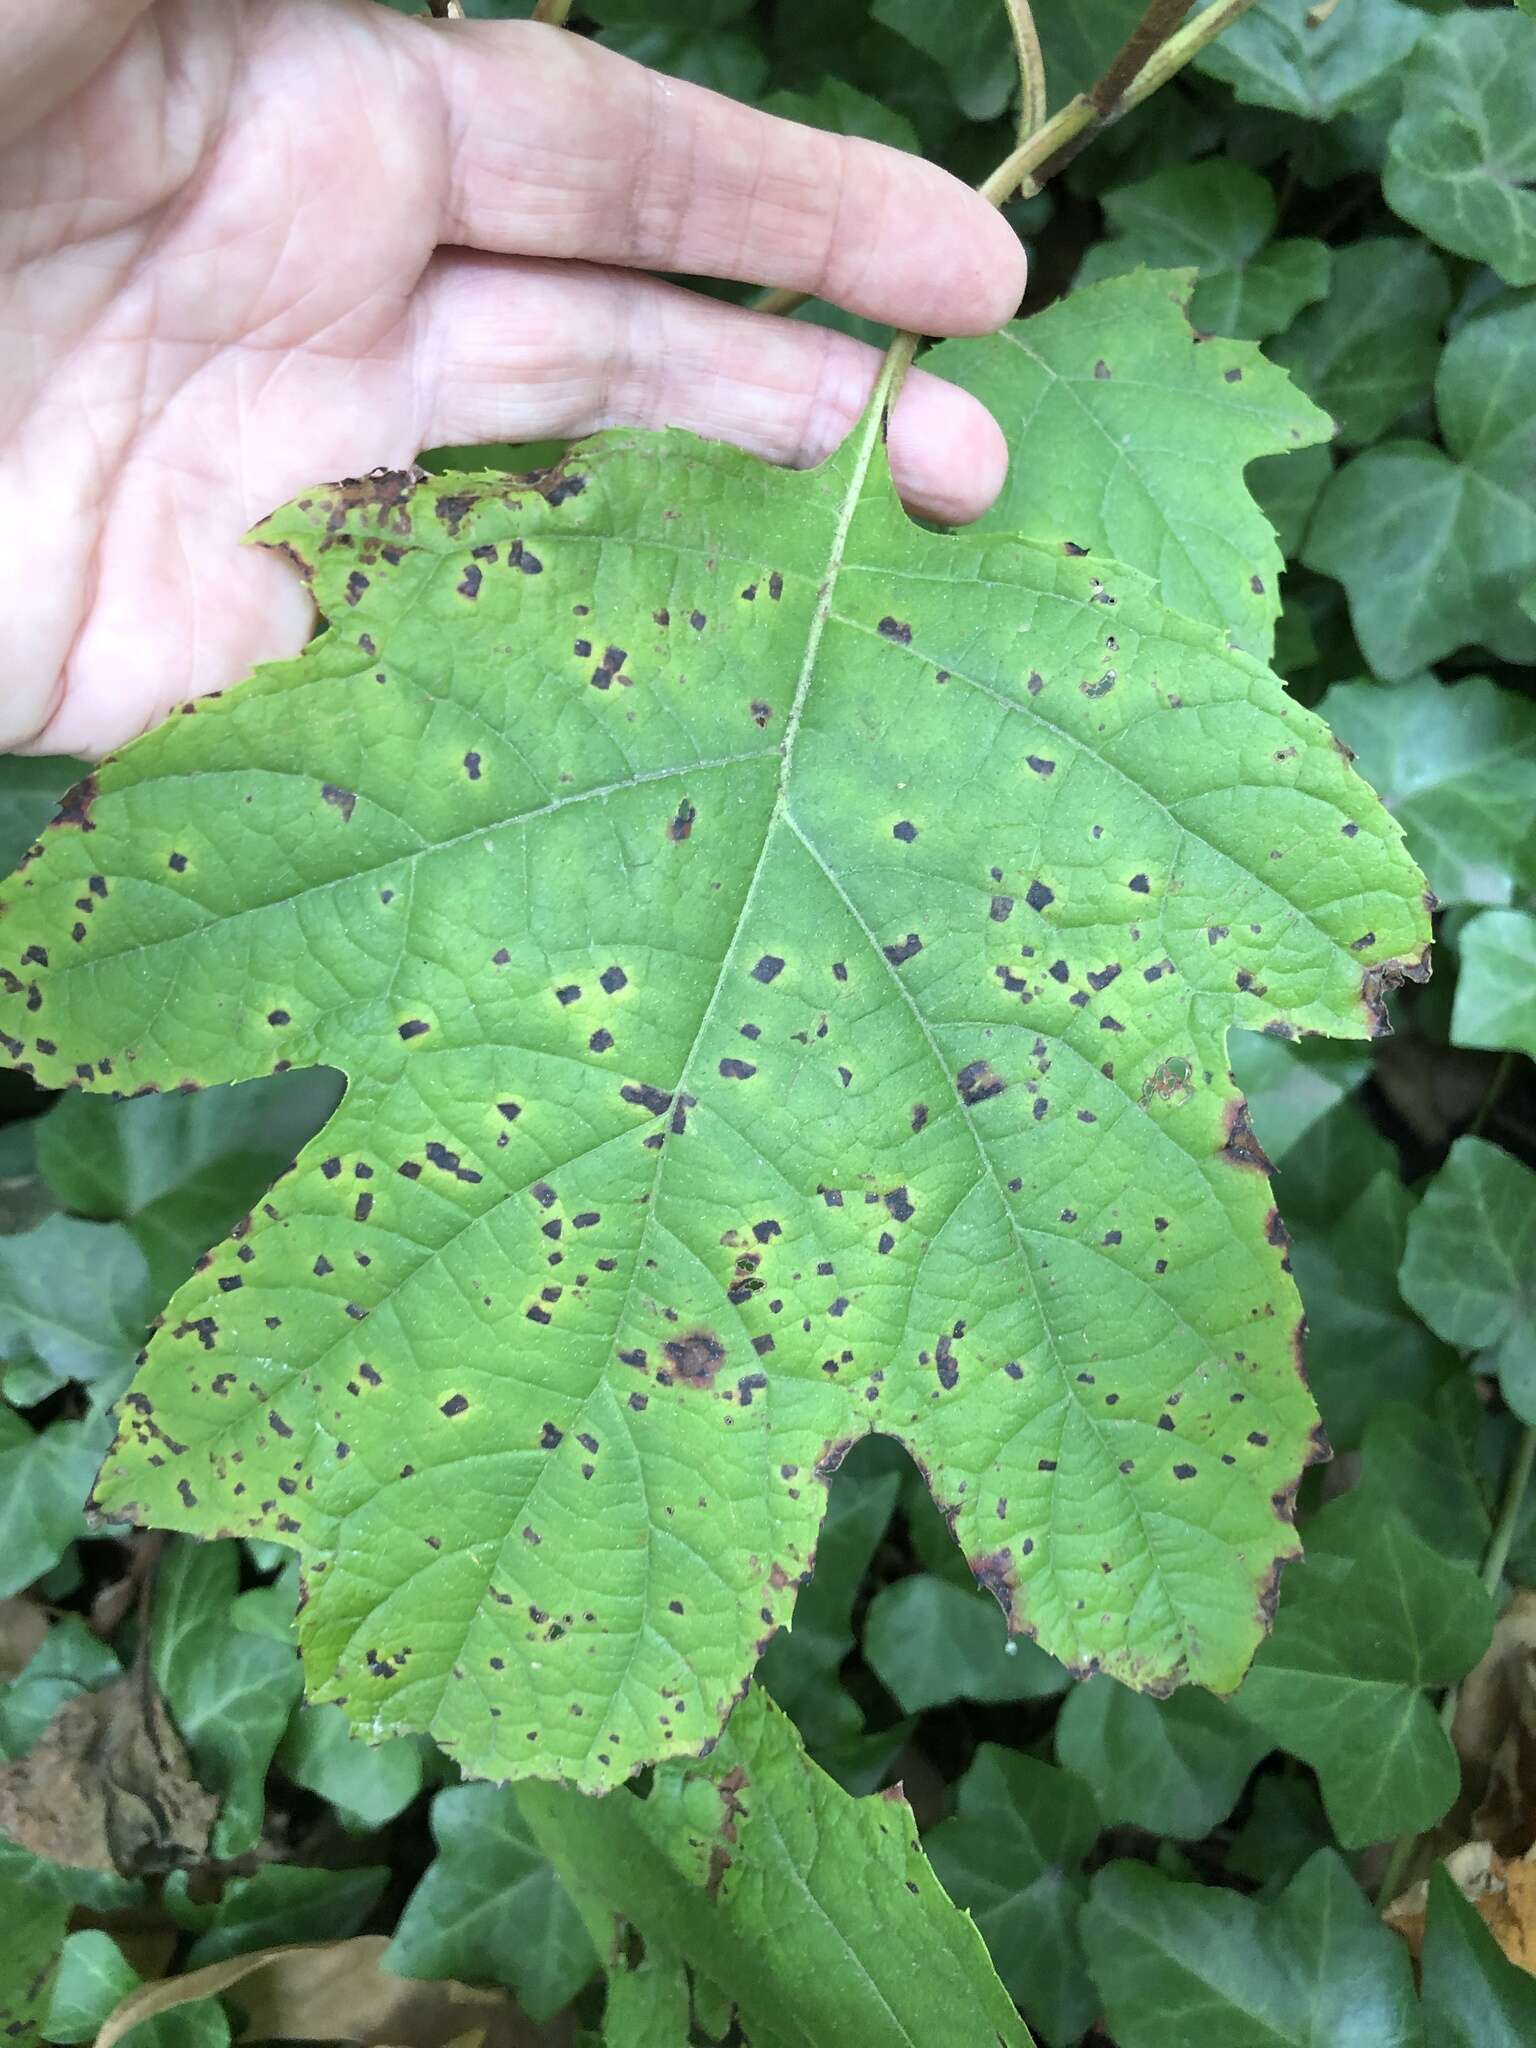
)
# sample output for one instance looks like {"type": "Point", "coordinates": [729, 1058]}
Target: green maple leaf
{"type": "Point", "coordinates": [1461, 162]}
{"type": "Point", "coordinates": [782, 961]}
{"type": "Point", "coordinates": [756, 1835]}
{"type": "Point", "coordinates": [1130, 436]}
{"type": "Point", "coordinates": [1436, 549]}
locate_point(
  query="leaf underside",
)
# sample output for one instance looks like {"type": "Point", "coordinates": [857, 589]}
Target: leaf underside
{"type": "Point", "coordinates": [781, 960]}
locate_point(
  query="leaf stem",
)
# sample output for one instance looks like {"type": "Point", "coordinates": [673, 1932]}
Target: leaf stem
{"type": "Point", "coordinates": [1026, 43]}
{"type": "Point", "coordinates": [1055, 142]}
{"type": "Point", "coordinates": [1494, 1560]}
{"type": "Point", "coordinates": [555, 12]}
{"type": "Point", "coordinates": [1492, 1092]}
{"type": "Point", "coordinates": [1160, 49]}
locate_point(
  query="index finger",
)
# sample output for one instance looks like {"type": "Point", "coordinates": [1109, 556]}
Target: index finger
{"type": "Point", "coordinates": [557, 147]}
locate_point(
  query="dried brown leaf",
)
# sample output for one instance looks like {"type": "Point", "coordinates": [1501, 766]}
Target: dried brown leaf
{"type": "Point", "coordinates": [1503, 1891]}
{"type": "Point", "coordinates": [1495, 1732]}
{"type": "Point", "coordinates": [23, 1624]}
{"type": "Point", "coordinates": [108, 1786]}
{"type": "Point", "coordinates": [336, 1991]}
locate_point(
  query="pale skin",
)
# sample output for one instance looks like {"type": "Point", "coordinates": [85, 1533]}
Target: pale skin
{"type": "Point", "coordinates": [248, 245]}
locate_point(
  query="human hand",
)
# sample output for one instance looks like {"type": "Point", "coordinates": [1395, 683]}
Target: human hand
{"type": "Point", "coordinates": [246, 245]}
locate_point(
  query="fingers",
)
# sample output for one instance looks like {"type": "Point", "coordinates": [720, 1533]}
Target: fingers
{"type": "Point", "coordinates": [557, 147]}
{"type": "Point", "coordinates": [517, 350]}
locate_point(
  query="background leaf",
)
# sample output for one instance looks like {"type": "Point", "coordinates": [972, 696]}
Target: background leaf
{"type": "Point", "coordinates": [1178, 1963]}
{"type": "Point", "coordinates": [1470, 1261]}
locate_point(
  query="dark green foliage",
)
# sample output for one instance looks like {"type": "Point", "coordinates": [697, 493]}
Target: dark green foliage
{"type": "Point", "coordinates": [1350, 203]}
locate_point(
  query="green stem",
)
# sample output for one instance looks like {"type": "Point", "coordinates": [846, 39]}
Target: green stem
{"type": "Point", "coordinates": [1068, 130]}
{"type": "Point", "coordinates": [1494, 1560]}
{"type": "Point", "coordinates": [1026, 44]}
{"type": "Point", "coordinates": [1492, 1092]}
{"type": "Point", "coordinates": [555, 12]}
{"type": "Point", "coordinates": [1074, 125]}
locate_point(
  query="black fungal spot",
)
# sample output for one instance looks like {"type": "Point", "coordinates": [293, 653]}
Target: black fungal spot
{"type": "Point", "coordinates": [737, 1070]}
{"type": "Point", "coordinates": [695, 1358]}
{"type": "Point", "coordinates": [768, 967]}
{"type": "Point", "coordinates": [1037, 895]}
{"type": "Point", "coordinates": [1041, 767]}
{"type": "Point", "coordinates": [904, 950]}
{"type": "Point", "coordinates": [978, 1083]}
{"type": "Point", "coordinates": [612, 979]}
{"type": "Point", "coordinates": [414, 1027]}
{"type": "Point", "coordinates": [906, 831]}
{"type": "Point", "coordinates": [895, 629]}
{"type": "Point", "coordinates": [655, 1100]}
{"type": "Point", "coordinates": [682, 824]}
{"type": "Point", "coordinates": [1140, 885]}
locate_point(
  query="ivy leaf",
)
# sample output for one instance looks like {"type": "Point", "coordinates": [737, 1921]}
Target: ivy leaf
{"type": "Point", "coordinates": [1127, 438]}
{"type": "Point", "coordinates": [756, 1836]}
{"type": "Point", "coordinates": [972, 45]}
{"type": "Point", "coordinates": [69, 1660]}
{"type": "Point", "coordinates": [366, 1783]}
{"type": "Point", "coordinates": [1176, 1767]}
{"type": "Point", "coordinates": [1286, 1826]}
{"type": "Point", "coordinates": [1462, 156]}
{"type": "Point", "coordinates": [800, 1666]}
{"type": "Point", "coordinates": [52, 1329]}
{"type": "Point", "coordinates": [1367, 354]}
{"type": "Point", "coordinates": [1286, 488]}
{"type": "Point", "coordinates": [93, 1977]}
{"type": "Point", "coordinates": [1289, 1086]}
{"type": "Point", "coordinates": [929, 1642]}
{"type": "Point", "coordinates": [1436, 547]}
{"type": "Point", "coordinates": [1313, 1968]}
{"type": "Point", "coordinates": [694, 16]}
{"type": "Point", "coordinates": [1348, 1213]}
{"type": "Point", "coordinates": [720, 59]}
{"type": "Point", "coordinates": [34, 1933]}
{"type": "Point", "coordinates": [1474, 1996]}
{"type": "Point", "coordinates": [1455, 763]}
{"type": "Point", "coordinates": [1079, 42]}
{"type": "Point", "coordinates": [1496, 986]}
{"type": "Point", "coordinates": [1281, 54]}
{"type": "Point", "coordinates": [491, 1907]}
{"type": "Point", "coordinates": [283, 1902]}
{"type": "Point", "coordinates": [45, 1475]}
{"type": "Point", "coordinates": [823, 893]}
{"type": "Point", "coordinates": [179, 1170]}
{"type": "Point", "coordinates": [1217, 217]}
{"type": "Point", "coordinates": [1469, 1266]}
{"type": "Point", "coordinates": [840, 107]}
{"type": "Point", "coordinates": [1011, 1856]}
{"type": "Point", "coordinates": [1372, 1619]}
{"type": "Point", "coordinates": [229, 1692]}
{"type": "Point", "coordinates": [30, 788]}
